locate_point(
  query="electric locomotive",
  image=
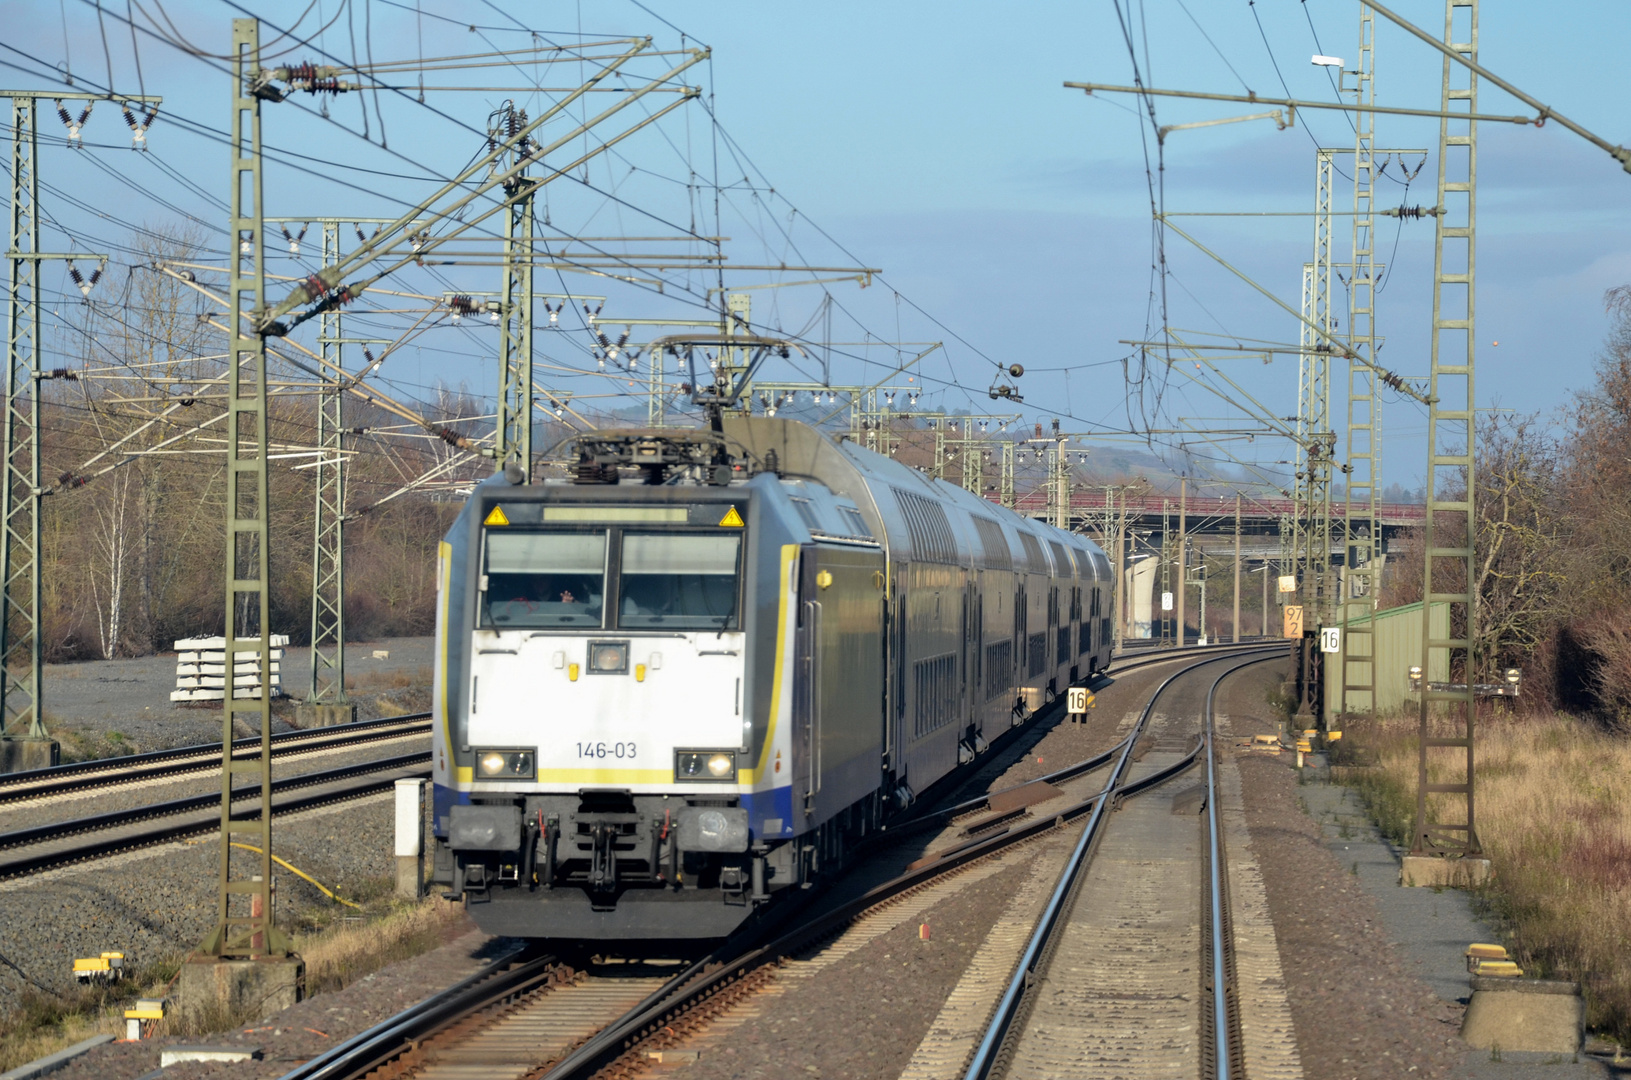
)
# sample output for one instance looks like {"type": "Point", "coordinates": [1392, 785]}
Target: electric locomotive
{"type": "Point", "coordinates": [697, 672]}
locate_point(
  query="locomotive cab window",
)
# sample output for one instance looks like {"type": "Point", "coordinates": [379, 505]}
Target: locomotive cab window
{"type": "Point", "coordinates": [678, 581]}
{"type": "Point", "coordinates": [545, 579]}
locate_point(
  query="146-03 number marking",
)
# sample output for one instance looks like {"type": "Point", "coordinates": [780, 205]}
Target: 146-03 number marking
{"type": "Point", "coordinates": [597, 750]}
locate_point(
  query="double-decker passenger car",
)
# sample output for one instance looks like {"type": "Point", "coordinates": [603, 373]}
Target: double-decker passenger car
{"type": "Point", "coordinates": [695, 674]}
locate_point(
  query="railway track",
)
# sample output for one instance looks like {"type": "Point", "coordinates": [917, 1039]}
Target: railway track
{"type": "Point", "coordinates": [1118, 919]}
{"type": "Point", "coordinates": [188, 760]}
{"type": "Point", "coordinates": [54, 844]}
{"type": "Point", "coordinates": [534, 1016]}
{"type": "Point", "coordinates": [46, 847]}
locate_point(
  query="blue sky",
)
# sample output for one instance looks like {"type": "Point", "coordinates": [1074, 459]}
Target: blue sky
{"type": "Point", "coordinates": [937, 142]}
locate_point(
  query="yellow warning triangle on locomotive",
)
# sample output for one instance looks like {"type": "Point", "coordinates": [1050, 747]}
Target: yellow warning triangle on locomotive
{"type": "Point", "coordinates": [731, 519]}
{"type": "Point", "coordinates": [496, 517]}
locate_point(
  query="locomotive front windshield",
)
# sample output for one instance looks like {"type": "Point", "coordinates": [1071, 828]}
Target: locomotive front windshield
{"type": "Point", "coordinates": [678, 581]}
{"type": "Point", "coordinates": [558, 580]}
{"type": "Point", "coordinates": [545, 579]}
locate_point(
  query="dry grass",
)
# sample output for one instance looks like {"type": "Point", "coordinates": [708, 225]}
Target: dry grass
{"type": "Point", "coordinates": [335, 956]}
{"type": "Point", "coordinates": [45, 1024]}
{"type": "Point", "coordinates": [347, 951]}
{"type": "Point", "coordinates": [1554, 816]}
{"type": "Point", "coordinates": [401, 678]}
{"type": "Point", "coordinates": [92, 745]}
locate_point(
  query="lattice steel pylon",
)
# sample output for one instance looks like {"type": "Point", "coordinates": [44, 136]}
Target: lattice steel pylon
{"type": "Point", "coordinates": [515, 390]}
{"type": "Point", "coordinates": [1005, 491]}
{"type": "Point", "coordinates": [1361, 530]}
{"type": "Point", "coordinates": [328, 520]}
{"type": "Point", "coordinates": [1061, 484]}
{"type": "Point", "coordinates": [21, 711]}
{"type": "Point", "coordinates": [239, 932]}
{"type": "Point", "coordinates": [1311, 524]}
{"type": "Point", "coordinates": [1450, 529]}
{"type": "Point", "coordinates": [20, 666]}
{"type": "Point", "coordinates": [1167, 556]}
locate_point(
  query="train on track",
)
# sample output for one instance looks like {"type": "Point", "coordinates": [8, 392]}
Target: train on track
{"type": "Point", "coordinates": [696, 673]}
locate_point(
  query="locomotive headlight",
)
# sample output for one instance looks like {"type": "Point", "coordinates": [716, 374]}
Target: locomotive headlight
{"type": "Point", "coordinates": [609, 657]}
{"type": "Point", "coordinates": [712, 766]}
{"type": "Point", "coordinates": [504, 765]}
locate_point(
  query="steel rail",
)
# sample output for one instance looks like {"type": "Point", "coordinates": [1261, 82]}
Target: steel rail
{"type": "Point", "coordinates": [1069, 772]}
{"type": "Point", "coordinates": [56, 830]}
{"type": "Point", "coordinates": [199, 814]}
{"type": "Point", "coordinates": [1028, 971]}
{"type": "Point", "coordinates": [1225, 1011]}
{"type": "Point", "coordinates": [102, 772]}
{"type": "Point", "coordinates": [990, 1052]}
{"type": "Point", "coordinates": [508, 976]}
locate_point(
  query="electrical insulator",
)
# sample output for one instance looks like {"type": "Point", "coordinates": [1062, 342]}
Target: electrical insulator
{"type": "Point", "coordinates": [294, 241]}
{"type": "Point", "coordinates": [73, 125]}
{"type": "Point", "coordinates": [138, 128]}
{"type": "Point", "coordinates": [78, 278]}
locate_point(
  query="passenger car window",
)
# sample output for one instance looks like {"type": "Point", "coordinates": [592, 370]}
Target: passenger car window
{"type": "Point", "coordinates": [545, 579]}
{"type": "Point", "coordinates": [678, 581]}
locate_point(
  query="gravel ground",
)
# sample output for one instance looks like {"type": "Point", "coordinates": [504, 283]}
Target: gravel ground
{"type": "Point", "coordinates": [1358, 1011]}
{"type": "Point", "coordinates": [22, 815]}
{"type": "Point", "coordinates": [86, 703]}
{"type": "Point", "coordinates": [160, 902]}
{"type": "Point", "coordinates": [862, 1018]}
